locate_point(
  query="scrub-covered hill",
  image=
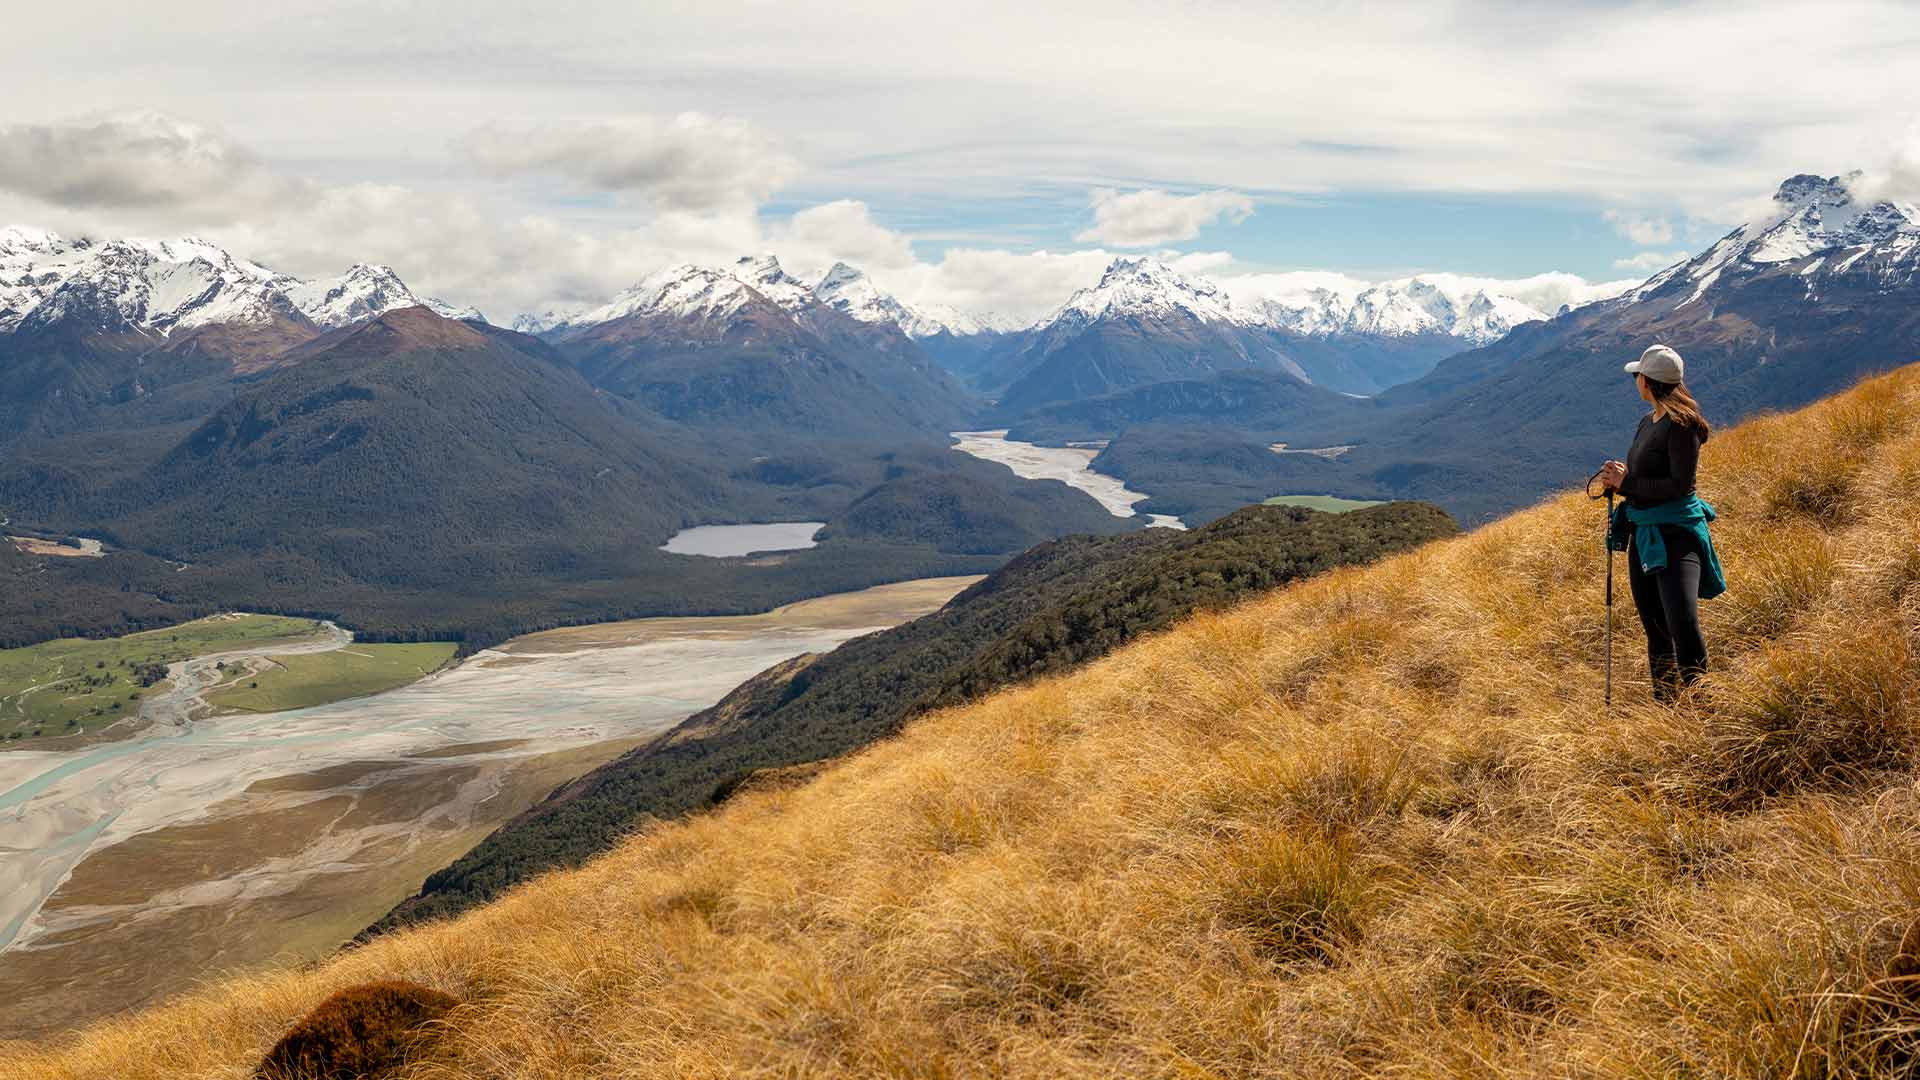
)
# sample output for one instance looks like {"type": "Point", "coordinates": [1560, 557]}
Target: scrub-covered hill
{"type": "Point", "coordinates": [1374, 823]}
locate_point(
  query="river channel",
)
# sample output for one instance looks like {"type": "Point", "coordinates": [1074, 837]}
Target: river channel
{"type": "Point", "coordinates": [132, 868]}
{"type": "Point", "coordinates": [1072, 465]}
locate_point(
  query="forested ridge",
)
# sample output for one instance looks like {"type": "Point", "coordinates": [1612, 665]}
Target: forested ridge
{"type": "Point", "coordinates": [1058, 605]}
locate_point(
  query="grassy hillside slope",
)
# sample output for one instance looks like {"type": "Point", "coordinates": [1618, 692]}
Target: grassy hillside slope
{"type": "Point", "coordinates": [1375, 823]}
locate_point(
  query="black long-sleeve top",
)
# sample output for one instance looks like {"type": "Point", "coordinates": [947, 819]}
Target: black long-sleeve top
{"type": "Point", "coordinates": [1662, 462]}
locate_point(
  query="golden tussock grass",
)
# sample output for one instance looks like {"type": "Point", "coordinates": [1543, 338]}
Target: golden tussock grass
{"type": "Point", "coordinates": [1375, 824]}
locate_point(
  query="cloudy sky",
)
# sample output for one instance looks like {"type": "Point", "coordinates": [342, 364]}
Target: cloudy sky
{"type": "Point", "coordinates": [517, 154]}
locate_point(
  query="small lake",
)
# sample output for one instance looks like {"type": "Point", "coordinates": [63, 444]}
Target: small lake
{"type": "Point", "coordinates": [729, 541]}
{"type": "Point", "coordinates": [1072, 465]}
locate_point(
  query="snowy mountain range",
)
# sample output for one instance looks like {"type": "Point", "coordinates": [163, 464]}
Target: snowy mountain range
{"type": "Point", "coordinates": [1426, 304]}
{"type": "Point", "coordinates": [1796, 304]}
{"type": "Point", "coordinates": [1818, 231]}
{"type": "Point", "coordinates": [1324, 305]}
{"type": "Point", "coordinates": [688, 290]}
{"type": "Point", "coordinates": [852, 292]}
{"type": "Point", "coordinates": [163, 286]}
{"type": "Point", "coordinates": [1318, 305]}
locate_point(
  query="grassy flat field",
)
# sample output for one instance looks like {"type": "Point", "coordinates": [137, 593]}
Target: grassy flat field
{"type": "Point", "coordinates": [881, 605]}
{"type": "Point", "coordinates": [295, 682]}
{"type": "Point", "coordinates": [77, 685]}
{"type": "Point", "coordinates": [1333, 504]}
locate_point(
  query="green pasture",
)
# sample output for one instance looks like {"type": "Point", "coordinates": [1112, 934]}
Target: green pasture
{"type": "Point", "coordinates": [77, 685]}
{"type": "Point", "coordinates": [305, 679]}
{"type": "Point", "coordinates": [1333, 504]}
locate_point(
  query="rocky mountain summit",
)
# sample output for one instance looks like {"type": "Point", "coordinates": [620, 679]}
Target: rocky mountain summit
{"type": "Point", "coordinates": [161, 286]}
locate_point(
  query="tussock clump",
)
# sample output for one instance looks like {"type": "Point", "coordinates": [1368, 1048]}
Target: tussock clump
{"type": "Point", "coordinates": [1818, 710]}
{"type": "Point", "coordinates": [1883, 1023]}
{"type": "Point", "coordinates": [1354, 781]}
{"type": "Point", "coordinates": [1501, 952]}
{"type": "Point", "coordinates": [1295, 896]}
{"type": "Point", "coordinates": [1790, 575]}
{"type": "Point", "coordinates": [1017, 953]}
{"type": "Point", "coordinates": [1818, 475]}
{"type": "Point", "coordinates": [1376, 823]}
{"type": "Point", "coordinates": [366, 1031]}
{"type": "Point", "coordinates": [1308, 777]}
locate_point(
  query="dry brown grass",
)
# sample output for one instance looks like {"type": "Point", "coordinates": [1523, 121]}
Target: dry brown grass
{"type": "Point", "coordinates": [1375, 824]}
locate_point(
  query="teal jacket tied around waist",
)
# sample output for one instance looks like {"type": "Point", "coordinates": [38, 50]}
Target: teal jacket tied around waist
{"type": "Point", "coordinates": [1643, 527]}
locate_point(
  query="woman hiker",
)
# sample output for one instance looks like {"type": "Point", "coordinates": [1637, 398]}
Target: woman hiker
{"type": "Point", "coordinates": [1662, 524]}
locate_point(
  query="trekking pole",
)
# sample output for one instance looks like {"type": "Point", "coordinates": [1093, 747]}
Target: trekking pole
{"type": "Point", "coordinates": [1606, 542]}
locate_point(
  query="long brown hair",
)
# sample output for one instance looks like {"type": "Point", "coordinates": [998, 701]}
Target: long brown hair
{"type": "Point", "coordinates": [1673, 400]}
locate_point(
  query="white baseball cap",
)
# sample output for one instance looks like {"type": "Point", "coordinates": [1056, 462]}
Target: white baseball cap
{"type": "Point", "coordinates": [1660, 364]}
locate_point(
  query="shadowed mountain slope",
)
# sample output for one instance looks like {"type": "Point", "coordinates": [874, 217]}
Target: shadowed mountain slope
{"type": "Point", "coordinates": [414, 448]}
{"type": "Point", "coordinates": [750, 349]}
{"type": "Point", "coordinates": [420, 477]}
{"type": "Point", "coordinates": [1251, 401]}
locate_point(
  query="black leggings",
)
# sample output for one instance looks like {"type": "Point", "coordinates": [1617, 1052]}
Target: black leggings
{"type": "Point", "coordinates": [1669, 604]}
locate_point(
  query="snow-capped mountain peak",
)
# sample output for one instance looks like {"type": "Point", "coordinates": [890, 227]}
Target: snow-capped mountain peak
{"type": "Point", "coordinates": [162, 286]}
{"type": "Point", "coordinates": [1144, 286]}
{"type": "Point", "coordinates": [24, 240]}
{"type": "Point", "coordinates": [770, 280]}
{"type": "Point", "coordinates": [1811, 215]}
{"type": "Point", "coordinates": [365, 291]}
{"type": "Point", "coordinates": [1320, 305]}
{"type": "Point", "coordinates": [551, 317]}
{"type": "Point", "coordinates": [140, 285]}
{"type": "Point", "coordinates": [683, 291]}
{"type": "Point", "coordinates": [1437, 304]}
{"type": "Point", "coordinates": [1818, 214]}
{"type": "Point", "coordinates": [1489, 317]}
{"type": "Point", "coordinates": [849, 290]}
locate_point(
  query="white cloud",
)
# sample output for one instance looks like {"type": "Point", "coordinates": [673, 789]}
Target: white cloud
{"type": "Point", "coordinates": [1551, 291]}
{"type": "Point", "coordinates": [149, 174]}
{"type": "Point", "coordinates": [1022, 285]}
{"type": "Point", "coordinates": [1199, 263]}
{"type": "Point", "coordinates": [916, 96]}
{"type": "Point", "coordinates": [688, 162]}
{"type": "Point", "coordinates": [1147, 218]}
{"type": "Point", "coordinates": [1640, 228]}
{"type": "Point", "coordinates": [1647, 262]}
{"type": "Point", "coordinates": [1547, 292]}
{"type": "Point", "coordinates": [843, 230]}
{"type": "Point", "coordinates": [1896, 177]}
{"type": "Point", "coordinates": [138, 161]}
